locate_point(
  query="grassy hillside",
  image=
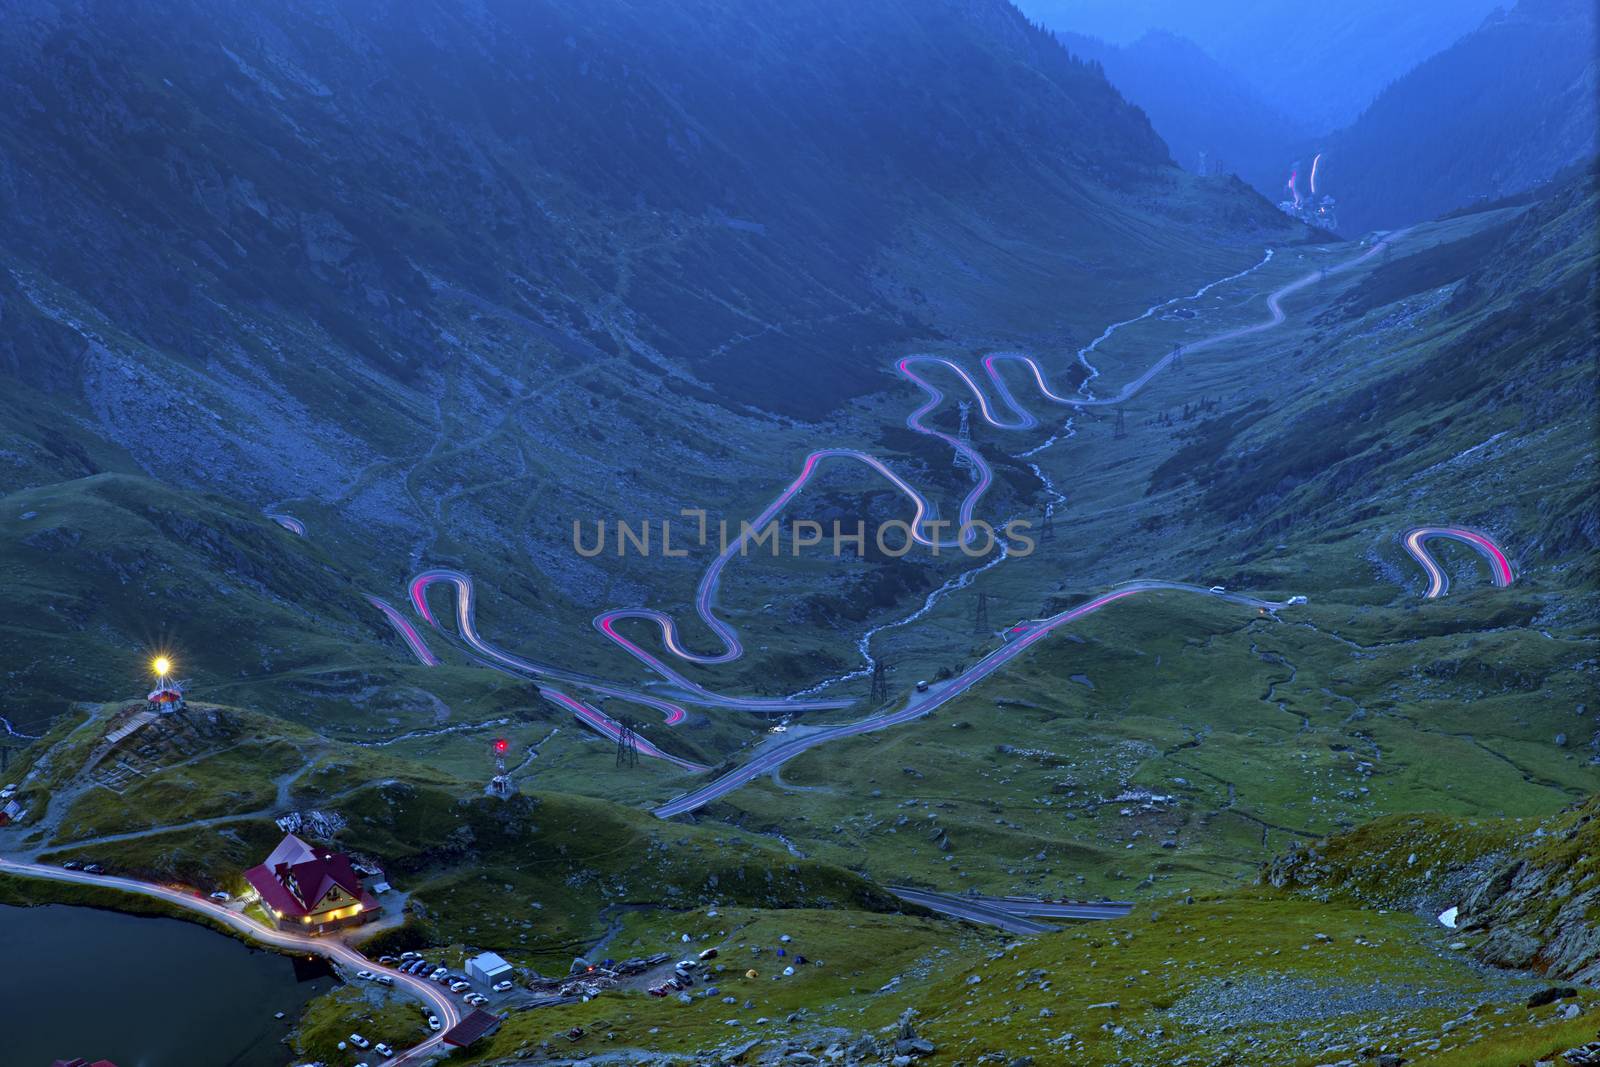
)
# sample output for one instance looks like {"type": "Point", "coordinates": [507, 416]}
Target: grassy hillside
{"type": "Point", "coordinates": [1258, 974]}
{"type": "Point", "coordinates": [440, 287]}
{"type": "Point", "coordinates": [1525, 890]}
{"type": "Point", "coordinates": [1448, 381]}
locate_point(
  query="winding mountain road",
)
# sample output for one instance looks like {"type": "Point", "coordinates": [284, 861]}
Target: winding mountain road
{"type": "Point", "coordinates": [777, 753]}
{"type": "Point", "coordinates": [1416, 542]}
{"type": "Point", "coordinates": [288, 522]}
{"type": "Point", "coordinates": [1013, 914]}
{"type": "Point", "coordinates": [922, 530]}
{"type": "Point", "coordinates": [972, 910]}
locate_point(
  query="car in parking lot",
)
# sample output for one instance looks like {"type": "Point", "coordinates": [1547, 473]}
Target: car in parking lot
{"type": "Point", "coordinates": [439, 972]}
{"type": "Point", "coordinates": [365, 976]}
{"type": "Point", "coordinates": [409, 955]}
{"type": "Point", "coordinates": [384, 979]}
{"type": "Point", "coordinates": [360, 1042]}
{"type": "Point", "coordinates": [459, 987]}
{"type": "Point", "coordinates": [502, 986]}
{"type": "Point", "coordinates": [383, 1050]}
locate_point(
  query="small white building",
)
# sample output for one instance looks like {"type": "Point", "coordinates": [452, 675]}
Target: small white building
{"type": "Point", "coordinates": [487, 969]}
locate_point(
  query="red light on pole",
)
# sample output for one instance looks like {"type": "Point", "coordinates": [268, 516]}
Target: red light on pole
{"type": "Point", "coordinates": [500, 745]}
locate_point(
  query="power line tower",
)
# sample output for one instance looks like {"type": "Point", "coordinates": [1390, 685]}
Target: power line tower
{"type": "Point", "coordinates": [963, 460]}
{"type": "Point", "coordinates": [880, 683]}
{"type": "Point", "coordinates": [1047, 529]}
{"type": "Point", "coordinates": [1120, 429]}
{"type": "Point", "coordinates": [500, 784]}
{"type": "Point", "coordinates": [627, 743]}
{"type": "Point", "coordinates": [980, 621]}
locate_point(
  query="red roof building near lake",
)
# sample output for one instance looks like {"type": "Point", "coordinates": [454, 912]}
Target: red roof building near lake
{"type": "Point", "coordinates": [312, 890]}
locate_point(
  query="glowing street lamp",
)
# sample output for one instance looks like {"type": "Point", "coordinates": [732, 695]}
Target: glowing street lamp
{"type": "Point", "coordinates": [162, 666]}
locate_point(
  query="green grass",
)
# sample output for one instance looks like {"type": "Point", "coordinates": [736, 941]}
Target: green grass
{"type": "Point", "coordinates": [530, 876]}
{"type": "Point", "coordinates": [373, 1012]}
{"type": "Point", "coordinates": [850, 957]}
{"type": "Point", "coordinates": [1185, 701]}
{"type": "Point", "coordinates": [1167, 969]}
{"type": "Point", "coordinates": [239, 778]}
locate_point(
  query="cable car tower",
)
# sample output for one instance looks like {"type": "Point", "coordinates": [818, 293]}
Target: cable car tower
{"type": "Point", "coordinates": [500, 784]}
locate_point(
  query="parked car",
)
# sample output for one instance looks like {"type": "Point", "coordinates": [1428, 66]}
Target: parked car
{"type": "Point", "coordinates": [384, 979]}
{"type": "Point", "coordinates": [433, 1022]}
{"type": "Point", "coordinates": [1218, 589]}
{"type": "Point", "coordinates": [1298, 600]}
{"type": "Point", "coordinates": [387, 960]}
{"type": "Point", "coordinates": [411, 955]}
{"type": "Point", "coordinates": [383, 1050]}
{"type": "Point", "coordinates": [476, 999]}
{"type": "Point", "coordinates": [439, 972]}
{"type": "Point", "coordinates": [71, 865]}
{"type": "Point", "coordinates": [922, 685]}
{"type": "Point", "coordinates": [220, 897]}
{"type": "Point", "coordinates": [708, 954]}
{"type": "Point", "coordinates": [93, 868]}
{"type": "Point", "coordinates": [360, 1042]}
{"type": "Point", "coordinates": [459, 987]}
{"type": "Point", "coordinates": [503, 986]}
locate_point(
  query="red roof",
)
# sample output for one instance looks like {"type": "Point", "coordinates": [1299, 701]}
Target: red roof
{"type": "Point", "coordinates": [299, 877]}
{"type": "Point", "coordinates": [471, 1028]}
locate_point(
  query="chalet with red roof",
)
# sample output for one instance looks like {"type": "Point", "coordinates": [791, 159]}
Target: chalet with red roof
{"type": "Point", "coordinates": [311, 890]}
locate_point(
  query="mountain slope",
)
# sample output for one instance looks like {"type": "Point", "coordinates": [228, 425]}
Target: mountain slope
{"type": "Point", "coordinates": [1493, 334]}
{"type": "Point", "coordinates": [1199, 106]}
{"type": "Point", "coordinates": [1528, 896]}
{"type": "Point", "coordinates": [441, 282]}
{"type": "Point", "coordinates": [361, 169]}
{"type": "Point", "coordinates": [1320, 65]}
{"type": "Point", "coordinates": [1499, 111]}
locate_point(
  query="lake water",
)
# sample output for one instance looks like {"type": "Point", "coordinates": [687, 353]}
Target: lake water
{"type": "Point", "coordinates": [143, 992]}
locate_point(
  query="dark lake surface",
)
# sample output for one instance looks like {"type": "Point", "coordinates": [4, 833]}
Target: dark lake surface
{"type": "Point", "coordinates": [143, 992]}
